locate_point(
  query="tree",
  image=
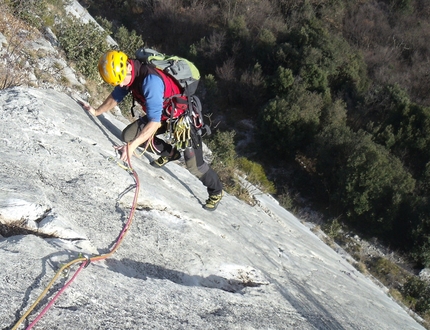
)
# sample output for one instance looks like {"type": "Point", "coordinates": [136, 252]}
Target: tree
{"type": "Point", "coordinates": [374, 185]}
{"type": "Point", "coordinates": [288, 124]}
{"type": "Point", "coordinates": [419, 236]}
{"type": "Point", "coordinates": [404, 127]}
{"type": "Point", "coordinates": [282, 81]}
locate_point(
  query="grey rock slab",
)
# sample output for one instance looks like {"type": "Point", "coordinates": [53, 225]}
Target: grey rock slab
{"type": "Point", "coordinates": [179, 266]}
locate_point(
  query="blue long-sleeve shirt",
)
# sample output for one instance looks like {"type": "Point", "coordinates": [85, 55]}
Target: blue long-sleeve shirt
{"type": "Point", "coordinates": [153, 91]}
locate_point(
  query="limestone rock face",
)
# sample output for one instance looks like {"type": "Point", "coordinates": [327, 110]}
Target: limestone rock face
{"type": "Point", "coordinates": [63, 194]}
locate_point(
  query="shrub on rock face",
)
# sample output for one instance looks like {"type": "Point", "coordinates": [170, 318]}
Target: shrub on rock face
{"type": "Point", "coordinates": [32, 12]}
{"type": "Point", "coordinates": [83, 45]}
{"type": "Point", "coordinates": [256, 174]}
{"type": "Point", "coordinates": [417, 294]}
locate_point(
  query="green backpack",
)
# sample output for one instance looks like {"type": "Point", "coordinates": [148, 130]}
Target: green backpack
{"type": "Point", "coordinates": [186, 75]}
{"type": "Point", "coordinates": [180, 69]}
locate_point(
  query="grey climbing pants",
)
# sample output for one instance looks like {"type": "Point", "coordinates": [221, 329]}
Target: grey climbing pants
{"type": "Point", "coordinates": [193, 155]}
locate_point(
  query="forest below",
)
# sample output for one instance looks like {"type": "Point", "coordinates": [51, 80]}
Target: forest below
{"type": "Point", "coordinates": [337, 91]}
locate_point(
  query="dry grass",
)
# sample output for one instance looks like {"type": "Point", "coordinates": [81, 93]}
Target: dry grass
{"type": "Point", "coordinates": [13, 57]}
{"type": "Point", "coordinates": [20, 227]}
{"type": "Point", "coordinates": [387, 272]}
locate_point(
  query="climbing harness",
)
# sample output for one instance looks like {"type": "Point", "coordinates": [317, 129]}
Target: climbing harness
{"type": "Point", "coordinates": [84, 260]}
{"type": "Point", "coordinates": [181, 131]}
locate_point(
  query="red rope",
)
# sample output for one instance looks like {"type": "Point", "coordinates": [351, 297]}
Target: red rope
{"type": "Point", "coordinates": [55, 297]}
{"type": "Point", "coordinates": [96, 258]}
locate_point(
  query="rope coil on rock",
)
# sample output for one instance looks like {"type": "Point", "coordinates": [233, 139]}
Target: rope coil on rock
{"type": "Point", "coordinates": [84, 260]}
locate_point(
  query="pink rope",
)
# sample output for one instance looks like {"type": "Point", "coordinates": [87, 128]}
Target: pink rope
{"type": "Point", "coordinates": [56, 296]}
{"type": "Point", "coordinates": [96, 258]}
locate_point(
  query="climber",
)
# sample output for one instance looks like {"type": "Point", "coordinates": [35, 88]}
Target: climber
{"type": "Point", "coordinates": [155, 91]}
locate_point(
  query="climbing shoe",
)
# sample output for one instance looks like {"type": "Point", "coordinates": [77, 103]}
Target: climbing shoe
{"type": "Point", "coordinates": [212, 202]}
{"type": "Point", "coordinates": [163, 160]}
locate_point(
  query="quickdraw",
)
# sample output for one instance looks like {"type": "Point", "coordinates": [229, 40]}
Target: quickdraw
{"type": "Point", "coordinates": [181, 135]}
{"type": "Point", "coordinates": [181, 131]}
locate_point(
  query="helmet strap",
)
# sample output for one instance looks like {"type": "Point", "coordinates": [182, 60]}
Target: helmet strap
{"type": "Point", "coordinates": [131, 63]}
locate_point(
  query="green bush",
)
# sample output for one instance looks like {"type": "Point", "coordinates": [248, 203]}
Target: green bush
{"type": "Point", "coordinates": [334, 114]}
{"type": "Point", "coordinates": [223, 147]}
{"type": "Point", "coordinates": [282, 81]}
{"type": "Point", "coordinates": [38, 13]}
{"type": "Point", "coordinates": [374, 185]}
{"type": "Point", "coordinates": [289, 124]}
{"type": "Point", "coordinates": [224, 163]}
{"type": "Point", "coordinates": [251, 89]}
{"type": "Point", "coordinates": [211, 87]}
{"type": "Point", "coordinates": [30, 11]}
{"type": "Point", "coordinates": [128, 41]}
{"type": "Point", "coordinates": [386, 271]}
{"type": "Point", "coordinates": [365, 181]}
{"type": "Point", "coordinates": [417, 294]}
{"type": "Point", "coordinates": [404, 127]}
{"type": "Point", "coordinates": [105, 24]}
{"type": "Point", "coordinates": [315, 76]}
{"type": "Point", "coordinates": [83, 45]}
{"type": "Point", "coordinates": [285, 199]}
{"type": "Point", "coordinates": [227, 164]}
{"type": "Point", "coordinates": [238, 28]}
{"type": "Point", "coordinates": [326, 62]}
{"type": "Point", "coordinates": [333, 229]}
{"type": "Point", "coordinates": [256, 175]}
{"type": "Point", "coordinates": [332, 147]}
{"type": "Point", "coordinates": [419, 242]}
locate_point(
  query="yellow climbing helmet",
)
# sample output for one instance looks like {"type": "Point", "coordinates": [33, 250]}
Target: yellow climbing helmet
{"type": "Point", "coordinates": [113, 67]}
